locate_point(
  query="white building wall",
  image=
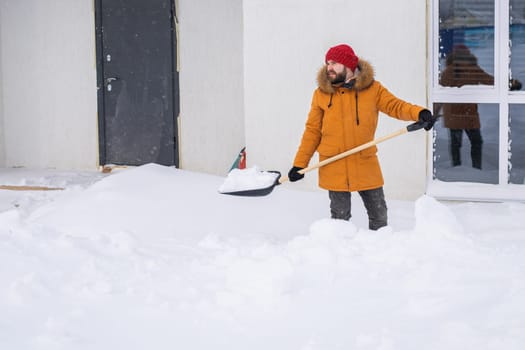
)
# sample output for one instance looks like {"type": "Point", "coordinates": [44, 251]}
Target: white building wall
{"type": "Point", "coordinates": [285, 42]}
{"type": "Point", "coordinates": [49, 83]}
{"type": "Point", "coordinates": [211, 84]}
{"type": "Point", "coordinates": [2, 138]}
{"type": "Point", "coordinates": [247, 73]}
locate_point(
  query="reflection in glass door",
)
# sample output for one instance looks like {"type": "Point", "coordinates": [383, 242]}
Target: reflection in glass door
{"type": "Point", "coordinates": [478, 71]}
{"type": "Point", "coordinates": [517, 144]}
{"type": "Point", "coordinates": [517, 40]}
{"type": "Point", "coordinates": [466, 145]}
{"type": "Point", "coordinates": [466, 33]}
{"type": "Point", "coordinates": [467, 136]}
{"type": "Point", "coordinates": [517, 75]}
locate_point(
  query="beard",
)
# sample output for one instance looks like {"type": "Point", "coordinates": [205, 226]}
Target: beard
{"type": "Point", "coordinates": [338, 79]}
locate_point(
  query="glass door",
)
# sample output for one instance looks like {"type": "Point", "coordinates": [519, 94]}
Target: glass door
{"type": "Point", "coordinates": [517, 102]}
{"type": "Point", "coordinates": [478, 66]}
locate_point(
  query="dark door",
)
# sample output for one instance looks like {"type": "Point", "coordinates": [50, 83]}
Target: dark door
{"type": "Point", "coordinates": [137, 82]}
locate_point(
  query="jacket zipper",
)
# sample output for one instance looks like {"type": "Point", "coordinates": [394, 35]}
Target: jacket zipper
{"type": "Point", "coordinates": [356, 109]}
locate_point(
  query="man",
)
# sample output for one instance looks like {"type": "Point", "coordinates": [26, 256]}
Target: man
{"type": "Point", "coordinates": [343, 115]}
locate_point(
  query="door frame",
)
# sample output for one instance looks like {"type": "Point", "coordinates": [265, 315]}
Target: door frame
{"type": "Point", "coordinates": [100, 81]}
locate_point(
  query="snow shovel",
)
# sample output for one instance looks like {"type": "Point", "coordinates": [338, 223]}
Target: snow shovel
{"type": "Point", "coordinates": [281, 179]}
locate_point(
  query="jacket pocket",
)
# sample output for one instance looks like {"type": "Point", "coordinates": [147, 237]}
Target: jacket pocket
{"type": "Point", "coordinates": [368, 152]}
{"type": "Point", "coordinates": [327, 150]}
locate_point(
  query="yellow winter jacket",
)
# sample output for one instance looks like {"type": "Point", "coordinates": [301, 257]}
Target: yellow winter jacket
{"type": "Point", "coordinates": [341, 119]}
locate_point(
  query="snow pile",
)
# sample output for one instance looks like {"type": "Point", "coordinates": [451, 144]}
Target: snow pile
{"type": "Point", "coordinates": [248, 179]}
{"type": "Point", "coordinates": [155, 258]}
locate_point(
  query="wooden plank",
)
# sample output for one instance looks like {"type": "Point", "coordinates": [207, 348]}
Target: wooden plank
{"type": "Point", "coordinates": [29, 188]}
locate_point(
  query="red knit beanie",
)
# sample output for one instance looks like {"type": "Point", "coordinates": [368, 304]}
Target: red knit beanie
{"type": "Point", "coordinates": [342, 54]}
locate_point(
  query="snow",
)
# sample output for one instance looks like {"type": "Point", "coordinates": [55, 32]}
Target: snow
{"type": "Point", "coordinates": [155, 258]}
{"type": "Point", "coordinates": [249, 179]}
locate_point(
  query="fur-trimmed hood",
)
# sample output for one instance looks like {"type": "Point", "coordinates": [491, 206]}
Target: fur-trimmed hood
{"type": "Point", "coordinates": [365, 76]}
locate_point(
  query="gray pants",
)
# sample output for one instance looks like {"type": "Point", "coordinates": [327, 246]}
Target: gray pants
{"type": "Point", "coordinates": [374, 201]}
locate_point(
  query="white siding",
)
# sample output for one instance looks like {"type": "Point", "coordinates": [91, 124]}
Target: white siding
{"type": "Point", "coordinates": [284, 47]}
{"type": "Point", "coordinates": [211, 84]}
{"type": "Point", "coordinates": [2, 137]}
{"type": "Point", "coordinates": [247, 72]}
{"type": "Point", "coordinates": [49, 83]}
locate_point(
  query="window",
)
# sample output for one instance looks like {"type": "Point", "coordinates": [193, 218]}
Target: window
{"type": "Point", "coordinates": [478, 68]}
{"type": "Point", "coordinates": [517, 39]}
{"type": "Point", "coordinates": [517, 144]}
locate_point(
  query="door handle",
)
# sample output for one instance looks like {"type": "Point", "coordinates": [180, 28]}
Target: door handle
{"type": "Point", "coordinates": [111, 79]}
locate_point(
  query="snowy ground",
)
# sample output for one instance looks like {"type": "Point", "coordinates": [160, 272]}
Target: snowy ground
{"type": "Point", "coordinates": [156, 258]}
